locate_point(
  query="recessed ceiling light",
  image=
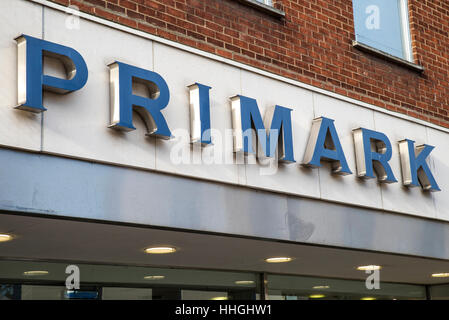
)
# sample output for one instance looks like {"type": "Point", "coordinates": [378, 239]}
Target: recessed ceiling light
{"type": "Point", "coordinates": [316, 296]}
{"type": "Point", "coordinates": [441, 275]}
{"type": "Point", "coordinates": [368, 298]}
{"type": "Point", "coordinates": [219, 298]}
{"type": "Point", "coordinates": [154, 277]}
{"type": "Point", "coordinates": [321, 287]}
{"type": "Point", "coordinates": [278, 259]}
{"type": "Point", "coordinates": [35, 273]}
{"type": "Point", "coordinates": [160, 250]}
{"type": "Point", "coordinates": [244, 282]}
{"type": "Point", "coordinates": [5, 237]}
{"type": "Point", "coordinates": [369, 268]}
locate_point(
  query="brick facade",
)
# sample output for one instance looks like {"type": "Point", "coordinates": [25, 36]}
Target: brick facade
{"type": "Point", "coordinates": [313, 44]}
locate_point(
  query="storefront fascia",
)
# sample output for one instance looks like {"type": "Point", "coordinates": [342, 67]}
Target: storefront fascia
{"type": "Point", "coordinates": [65, 163]}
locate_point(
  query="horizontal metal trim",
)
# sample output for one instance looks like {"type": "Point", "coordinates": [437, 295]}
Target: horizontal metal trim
{"type": "Point", "coordinates": [62, 187]}
{"type": "Point", "coordinates": [381, 54]}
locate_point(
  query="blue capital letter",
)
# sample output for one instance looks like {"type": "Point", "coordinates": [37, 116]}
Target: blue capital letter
{"type": "Point", "coordinates": [31, 80]}
{"type": "Point", "coordinates": [200, 114]}
{"type": "Point", "coordinates": [324, 144]}
{"type": "Point", "coordinates": [246, 116]}
{"type": "Point", "coordinates": [415, 170]}
{"type": "Point", "coordinates": [123, 101]}
{"type": "Point", "coordinates": [369, 161]}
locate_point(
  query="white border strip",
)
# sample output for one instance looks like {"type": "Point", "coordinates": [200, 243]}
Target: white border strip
{"type": "Point", "coordinates": [405, 26]}
{"type": "Point", "coordinates": [208, 55]}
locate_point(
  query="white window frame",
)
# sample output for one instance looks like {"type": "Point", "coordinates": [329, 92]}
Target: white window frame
{"type": "Point", "coordinates": [267, 2]}
{"type": "Point", "coordinates": [406, 32]}
{"type": "Point", "coordinates": [405, 35]}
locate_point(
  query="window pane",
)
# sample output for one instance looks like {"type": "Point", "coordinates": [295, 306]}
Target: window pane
{"type": "Point", "coordinates": [127, 282]}
{"type": "Point", "coordinates": [127, 293]}
{"type": "Point", "coordinates": [281, 287]}
{"type": "Point", "coordinates": [203, 295]}
{"type": "Point", "coordinates": [10, 292]}
{"type": "Point", "coordinates": [439, 292]}
{"type": "Point", "coordinates": [378, 23]}
{"type": "Point", "coordinates": [32, 292]}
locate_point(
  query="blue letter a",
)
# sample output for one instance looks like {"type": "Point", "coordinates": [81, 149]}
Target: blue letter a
{"type": "Point", "coordinates": [324, 144]}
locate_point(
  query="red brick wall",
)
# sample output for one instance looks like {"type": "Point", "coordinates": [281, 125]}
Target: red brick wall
{"type": "Point", "coordinates": [313, 44]}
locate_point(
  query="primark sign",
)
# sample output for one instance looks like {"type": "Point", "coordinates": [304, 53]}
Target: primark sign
{"type": "Point", "coordinates": [269, 137]}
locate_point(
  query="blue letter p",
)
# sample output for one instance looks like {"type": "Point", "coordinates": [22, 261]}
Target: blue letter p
{"type": "Point", "coordinates": [31, 78]}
